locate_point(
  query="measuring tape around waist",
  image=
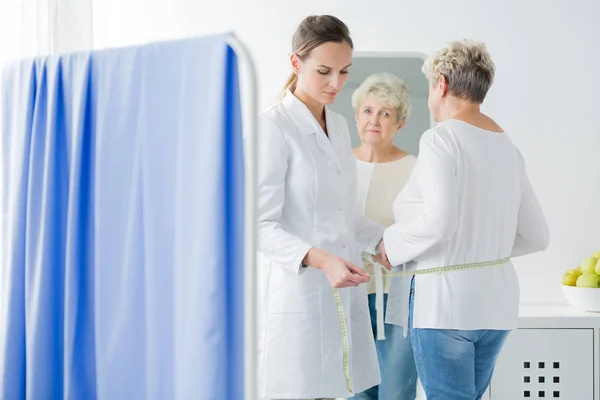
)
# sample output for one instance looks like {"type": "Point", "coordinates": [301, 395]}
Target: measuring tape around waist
{"type": "Point", "coordinates": [450, 268]}
{"type": "Point", "coordinates": [342, 317]}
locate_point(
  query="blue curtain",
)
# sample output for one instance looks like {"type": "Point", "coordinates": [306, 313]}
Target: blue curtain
{"type": "Point", "coordinates": [123, 225]}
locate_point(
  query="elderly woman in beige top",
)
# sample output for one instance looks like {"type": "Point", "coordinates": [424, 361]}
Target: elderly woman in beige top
{"type": "Point", "coordinates": [381, 106]}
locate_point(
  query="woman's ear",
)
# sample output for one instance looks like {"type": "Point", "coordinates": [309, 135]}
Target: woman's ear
{"type": "Point", "coordinates": [295, 61]}
{"type": "Point", "coordinates": [442, 86]}
{"type": "Point", "coordinates": [401, 125]}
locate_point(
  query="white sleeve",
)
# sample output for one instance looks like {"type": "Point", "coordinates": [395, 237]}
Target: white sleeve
{"type": "Point", "coordinates": [436, 178]}
{"type": "Point", "coordinates": [532, 229]}
{"type": "Point", "coordinates": [274, 242]}
{"type": "Point", "coordinates": [368, 234]}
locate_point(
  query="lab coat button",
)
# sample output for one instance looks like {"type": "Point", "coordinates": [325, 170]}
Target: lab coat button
{"type": "Point", "coordinates": [343, 246]}
{"type": "Point", "coordinates": [339, 208]}
{"type": "Point", "coordinates": [338, 172]}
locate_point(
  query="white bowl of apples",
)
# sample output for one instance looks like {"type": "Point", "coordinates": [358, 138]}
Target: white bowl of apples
{"type": "Point", "coordinates": [581, 286]}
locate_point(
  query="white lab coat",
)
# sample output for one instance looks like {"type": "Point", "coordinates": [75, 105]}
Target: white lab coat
{"type": "Point", "coordinates": [306, 198]}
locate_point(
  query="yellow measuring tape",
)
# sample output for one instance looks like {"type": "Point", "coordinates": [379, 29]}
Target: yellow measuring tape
{"type": "Point", "coordinates": [340, 307]}
{"type": "Point", "coordinates": [451, 268]}
{"type": "Point", "coordinates": [342, 317]}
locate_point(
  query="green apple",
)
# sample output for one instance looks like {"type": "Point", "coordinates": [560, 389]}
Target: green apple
{"type": "Point", "coordinates": [588, 266]}
{"type": "Point", "coordinates": [578, 269]}
{"type": "Point", "coordinates": [570, 277]}
{"type": "Point", "coordinates": [596, 254]}
{"type": "Point", "coordinates": [588, 281]}
{"type": "Point", "coordinates": [598, 268]}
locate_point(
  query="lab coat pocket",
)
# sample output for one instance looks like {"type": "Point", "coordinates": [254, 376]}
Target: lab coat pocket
{"type": "Point", "coordinates": [294, 294]}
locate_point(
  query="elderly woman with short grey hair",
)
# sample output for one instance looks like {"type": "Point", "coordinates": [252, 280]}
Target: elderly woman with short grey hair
{"type": "Point", "coordinates": [382, 105]}
{"type": "Point", "coordinates": [468, 209]}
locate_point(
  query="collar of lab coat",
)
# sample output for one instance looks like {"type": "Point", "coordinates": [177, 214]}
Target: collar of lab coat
{"type": "Point", "coordinates": [330, 143]}
{"type": "Point", "coordinates": [298, 108]}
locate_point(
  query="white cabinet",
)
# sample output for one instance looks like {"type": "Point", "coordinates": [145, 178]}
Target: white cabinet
{"type": "Point", "coordinates": [555, 354]}
{"type": "Point", "coordinates": [546, 364]}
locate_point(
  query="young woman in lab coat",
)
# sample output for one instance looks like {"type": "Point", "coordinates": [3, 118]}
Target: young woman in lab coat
{"type": "Point", "coordinates": [468, 201]}
{"type": "Point", "coordinates": [315, 338]}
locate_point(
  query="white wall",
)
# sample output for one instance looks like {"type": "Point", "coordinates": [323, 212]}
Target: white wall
{"type": "Point", "coordinates": [545, 95]}
{"type": "Point", "coordinates": [23, 33]}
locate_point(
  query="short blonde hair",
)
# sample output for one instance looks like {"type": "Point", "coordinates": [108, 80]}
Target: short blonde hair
{"type": "Point", "coordinates": [387, 89]}
{"type": "Point", "coordinates": [467, 67]}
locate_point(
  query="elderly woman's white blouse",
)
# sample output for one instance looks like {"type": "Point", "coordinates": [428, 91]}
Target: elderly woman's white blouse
{"type": "Point", "coordinates": [468, 200]}
{"type": "Point", "coordinates": [378, 185]}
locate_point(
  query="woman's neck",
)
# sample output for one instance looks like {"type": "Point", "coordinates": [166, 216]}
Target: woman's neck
{"type": "Point", "coordinates": [317, 109]}
{"type": "Point", "coordinates": [379, 154]}
{"type": "Point", "coordinates": [470, 113]}
{"type": "Point", "coordinates": [455, 108]}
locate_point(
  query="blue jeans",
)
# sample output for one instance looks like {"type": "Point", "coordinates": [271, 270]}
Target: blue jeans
{"type": "Point", "coordinates": [455, 364]}
{"type": "Point", "coordinates": [396, 362]}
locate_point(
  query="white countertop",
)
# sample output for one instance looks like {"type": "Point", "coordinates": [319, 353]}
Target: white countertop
{"type": "Point", "coordinates": [556, 316]}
